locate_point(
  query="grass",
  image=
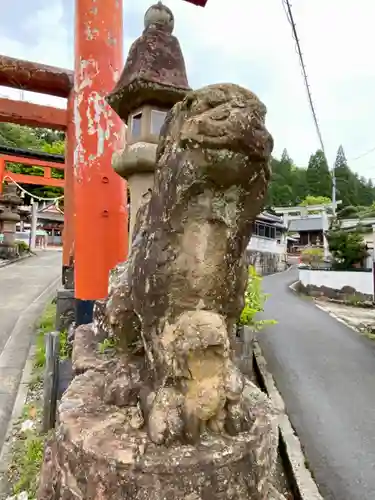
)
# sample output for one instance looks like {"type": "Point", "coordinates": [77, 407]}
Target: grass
{"type": "Point", "coordinates": [28, 458]}
{"type": "Point", "coordinates": [106, 345]}
{"type": "Point", "coordinates": [47, 324]}
{"type": "Point", "coordinates": [28, 448]}
{"type": "Point", "coordinates": [370, 335]}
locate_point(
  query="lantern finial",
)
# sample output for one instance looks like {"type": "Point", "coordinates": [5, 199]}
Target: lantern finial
{"type": "Point", "coordinates": [160, 16]}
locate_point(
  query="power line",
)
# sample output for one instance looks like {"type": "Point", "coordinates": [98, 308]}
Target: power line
{"type": "Point", "coordinates": [289, 15]}
{"type": "Point", "coordinates": [363, 154]}
{"type": "Point", "coordinates": [288, 11]}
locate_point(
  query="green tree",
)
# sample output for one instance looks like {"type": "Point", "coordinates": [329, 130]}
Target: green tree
{"type": "Point", "coordinates": [290, 185]}
{"type": "Point", "coordinates": [347, 248]}
{"type": "Point", "coordinates": [315, 200]}
{"type": "Point", "coordinates": [318, 177]}
{"type": "Point", "coordinates": [299, 184]}
{"type": "Point", "coordinates": [50, 136]}
{"type": "Point", "coordinates": [347, 182]}
{"type": "Point", "coordinates": [365, 192]}
{"type": "Point", "coordinates": [280, 192]}
{"type": "Point", "coordinates": [18, 137]}
{"type": "Point", "coordinates": [348, 212]}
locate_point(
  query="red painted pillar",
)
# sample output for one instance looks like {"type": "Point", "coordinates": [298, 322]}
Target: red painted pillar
{"type": "Point", "coordinates": [2, 173]}
{"type": "Point", "coordinates": [68, 236]}
{"type": "Point", "coordinates": [99, 193]}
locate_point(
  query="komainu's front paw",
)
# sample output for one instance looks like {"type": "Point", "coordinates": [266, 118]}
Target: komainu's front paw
{"type": "Point", "coordinates": [248, 409]}
{"type": "Point", "coordinates": [165, 423]}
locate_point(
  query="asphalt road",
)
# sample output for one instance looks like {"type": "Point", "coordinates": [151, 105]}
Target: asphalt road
{"type": "Point", "coordinates": [25, 288]}
{"type": "Point", "coordinates": [326, 375]}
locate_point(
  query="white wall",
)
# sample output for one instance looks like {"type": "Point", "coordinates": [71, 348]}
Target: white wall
{"type": "Point", "coordinates": [361, 281]}
{"type": "Point", "coordinates": [266, 245]}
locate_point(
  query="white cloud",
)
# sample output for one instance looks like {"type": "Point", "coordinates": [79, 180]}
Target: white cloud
{"type": "Point", "coordinates": [47, 42]}
{"type": "Point", "coordinates": [250, 42]}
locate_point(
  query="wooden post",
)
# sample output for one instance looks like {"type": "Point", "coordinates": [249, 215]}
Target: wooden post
{"type": "Point", "coordinates": [2, 173]}
{"type": "Point", "coordinates": [99, 193]}
{"type": "Point", "coordinates": [51, 380]}
{"type": "Point", "coordinates": [34, 222]}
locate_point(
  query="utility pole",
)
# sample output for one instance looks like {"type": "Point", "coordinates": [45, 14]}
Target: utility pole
{"type": "Point", "coordinates": [34, 219]}
{"type": "Point", "coordinates": [333, 191]}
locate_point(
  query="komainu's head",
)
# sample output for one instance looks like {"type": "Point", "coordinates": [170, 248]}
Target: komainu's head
{"type": "Point", "coordinates": [221, 128]}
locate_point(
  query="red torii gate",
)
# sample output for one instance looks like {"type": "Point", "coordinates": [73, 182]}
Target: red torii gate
{"type": "Point", "coordinates": [95, 225]}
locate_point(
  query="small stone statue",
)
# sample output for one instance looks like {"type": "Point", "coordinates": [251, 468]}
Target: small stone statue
{"type": "Point", "coordinates": [169, 415]}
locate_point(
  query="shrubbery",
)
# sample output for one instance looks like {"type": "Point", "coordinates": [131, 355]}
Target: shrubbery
{"type": "Point", "coordinates": [255, 299]}
{"type": "Point", "coordinates": [312, 256]}
{"type": "Point", "coordinates": [22, 247]}
{"type": "Point", "coordinates": [347, 248]}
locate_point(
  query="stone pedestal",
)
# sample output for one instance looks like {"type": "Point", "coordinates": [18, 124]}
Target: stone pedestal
{"type": "Point", "coordinates": [244, 349]}
{"type": "Point", "coordinates": [65, 309]}
{"type": "Point", "coordinates": [131, 467]}
{"type": "Point", "coordinates": [68, 277]}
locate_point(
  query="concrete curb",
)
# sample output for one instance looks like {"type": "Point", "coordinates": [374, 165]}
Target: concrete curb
{"type": "Point", "coordinates": [35, 308]}
{"type": "Point", "coordinates": [293, 287]}
{"type": "Point", "coordinates": [302, 481]}
{"type": "Point", "coordinates": [337, 318]}
{"type": "Point", "coordinates": [16, 261]}
{"type": "Point", "coordinates": [333, 315]}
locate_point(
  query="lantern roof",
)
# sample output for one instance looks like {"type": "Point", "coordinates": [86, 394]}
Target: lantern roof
{"type": "Point", "coordinates": [154, 71]}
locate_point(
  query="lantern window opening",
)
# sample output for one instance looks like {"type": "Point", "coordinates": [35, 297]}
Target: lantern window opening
{"type": "Point", "coordinates": [157, 120]}
{"type": "Point", "coordinates": [136, 124]}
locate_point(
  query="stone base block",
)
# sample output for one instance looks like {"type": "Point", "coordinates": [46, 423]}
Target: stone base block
{"type": "Point", "coordinates": [104, 452]}
{"type": "Point", "coordinates": [68, 277]}
{"type": "Point", "coordinates": [65, 309]}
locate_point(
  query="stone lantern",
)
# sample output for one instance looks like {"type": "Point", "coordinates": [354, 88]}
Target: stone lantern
{"type": "Point", "coordinates": [152, 82]}
{"type": "Point", "coordinates": [9, 216]}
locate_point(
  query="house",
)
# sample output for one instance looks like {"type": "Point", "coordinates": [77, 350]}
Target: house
{"type": "Point", "coordinates": [267, 248]}
{"type": "Point", "coordinates": [50, 223]}
{"type": "Point", "coordinates": [51, 220]}
{"type": "Point", "coordinates": [307, 225]}
{"type": "Point", "coordinates": [308, 230]}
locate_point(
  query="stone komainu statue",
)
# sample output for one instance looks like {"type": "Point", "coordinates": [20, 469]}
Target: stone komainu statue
{"type": "Point", "coordinates": [169, 415]}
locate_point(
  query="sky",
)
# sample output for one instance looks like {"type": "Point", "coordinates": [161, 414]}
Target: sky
{"type": "Point", "coordinates": [248, 42]}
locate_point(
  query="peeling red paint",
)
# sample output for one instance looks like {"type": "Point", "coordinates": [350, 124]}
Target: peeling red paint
{"type": "Point", "coordinates": [68, 235]}
{"type": "Point", "coordinates": [100, 219]}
